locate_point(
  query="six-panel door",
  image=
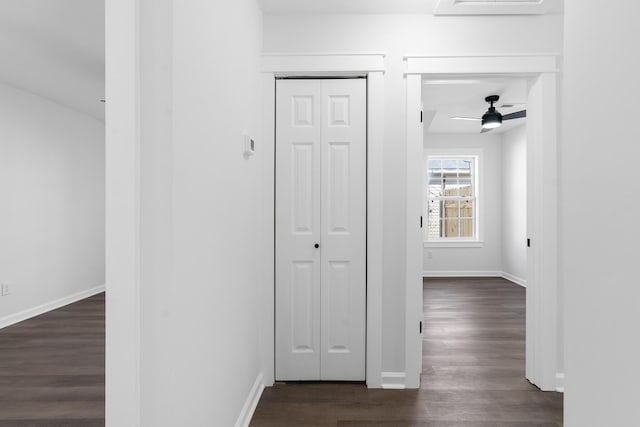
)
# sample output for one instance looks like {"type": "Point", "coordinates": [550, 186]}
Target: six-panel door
{"type": "Point", "coordinates": [320, 229]}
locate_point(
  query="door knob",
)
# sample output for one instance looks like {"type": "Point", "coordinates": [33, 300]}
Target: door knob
{"type": "Point", "coordinates": [317, 245]}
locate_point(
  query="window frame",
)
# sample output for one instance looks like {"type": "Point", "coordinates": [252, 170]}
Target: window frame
{"type": "Point", "coordinates": [452, 242]}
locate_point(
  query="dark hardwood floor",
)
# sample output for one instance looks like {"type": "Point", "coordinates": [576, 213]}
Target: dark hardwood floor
{"type": "Point", "coordinates": [52, 371]}
{"type": "Point", "coordinates": [473, 372]}
{"type": "Point", "coordinates": [52, 368]}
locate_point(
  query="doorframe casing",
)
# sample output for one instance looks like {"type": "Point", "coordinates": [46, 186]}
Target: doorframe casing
{"type": "Point", "coordinates": [122, 212]}
{"type": "Point", "coordinates": [372, 66]}
{"type": "Point", "coordinates": [543, 342]}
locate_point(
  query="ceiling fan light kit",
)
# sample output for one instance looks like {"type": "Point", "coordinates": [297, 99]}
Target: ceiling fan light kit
{"type": "Point", "coordinates": [492, 119]}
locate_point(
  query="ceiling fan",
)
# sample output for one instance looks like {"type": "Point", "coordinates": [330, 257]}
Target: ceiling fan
{"type": "Point", "coordinates": [492, 118]}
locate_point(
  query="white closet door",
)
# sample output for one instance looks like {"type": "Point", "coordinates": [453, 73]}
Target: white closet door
{"type": "Point", "coordinates": [320, 200]}
{"type": "Point", "coordinates": [297, 229]}
{"type": "Point", "coordinates": [343, 237]}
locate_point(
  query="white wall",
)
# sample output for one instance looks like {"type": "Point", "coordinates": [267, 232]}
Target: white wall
{"type": "Point", "coordinates": [488, 258]}
{"type": "Point", "coordinates": [514, 203]}
{"type": "Point", "coordinates": [398, 35]}
{"type": "Point", "coordinates": [55, 49]}
{"type": "Point", "coordinates": [599, 248]}
{"type": "Point", "coordinates": [206, 213]}
{"type": "Point", "coordinates": [52, 209]}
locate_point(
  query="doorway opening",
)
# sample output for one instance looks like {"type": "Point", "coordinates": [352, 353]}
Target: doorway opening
{"type": "Point", "coordinates": [371, 65]}
{"type": "Point", "coordinates": [543, 352]}
{"type": "Point", "coordinates": [475, 179]}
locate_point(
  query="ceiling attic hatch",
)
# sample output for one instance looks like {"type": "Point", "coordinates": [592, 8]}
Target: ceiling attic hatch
{"type": "Point", "coordinates": [495, 7]}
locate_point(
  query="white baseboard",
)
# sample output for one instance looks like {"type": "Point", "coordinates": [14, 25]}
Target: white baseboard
{"type": "Point", "coordinates": [475, 273]}
{"type": "Point", "coordinates": [393, 380]}
{"type": "Point", "coordinates": [49, 306]}
{"type": "Point", "coordinates": [515, 279]}
{"type": "Point", "coordinates": [560, 382]}
{"type": "Point", "coordinates": [461, 273]}
{"type": "Point", "coordinates": [251, 403]}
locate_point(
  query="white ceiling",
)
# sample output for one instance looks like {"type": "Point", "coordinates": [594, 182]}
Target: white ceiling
{"type": "Point", "coordinates": [347, 6]}
{"type": "Point", "coordinates": [443, 99]}
{"type": "Point", "coordinates": [55, 49]}
{"type": "Point", "coordinates": [369, 6]}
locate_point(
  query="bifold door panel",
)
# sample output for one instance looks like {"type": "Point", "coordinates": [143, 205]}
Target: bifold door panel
{"type": "Point", "coordinates": [320, 229]}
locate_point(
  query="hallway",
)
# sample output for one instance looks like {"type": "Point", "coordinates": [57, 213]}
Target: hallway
{"type": "Point", "coordinates": [473, 372]}
{"type": "Point", "coordinates": [52, 367]}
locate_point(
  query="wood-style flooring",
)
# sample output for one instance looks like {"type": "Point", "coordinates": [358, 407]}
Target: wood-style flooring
{"type": "Point", "coordinates": [52, 368]}
{"type": "Point", "coordinates": [52, 371]}
{"type": "Point", "coordinates": [473, 372]}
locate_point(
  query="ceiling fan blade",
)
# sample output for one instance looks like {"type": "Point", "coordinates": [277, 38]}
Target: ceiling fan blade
{"type": "Point", "coordinates": [484, 130]}
{"type": "Point", "coordinates": [517, 115]}
{"type": "Point", "coordinates": [464, 118]}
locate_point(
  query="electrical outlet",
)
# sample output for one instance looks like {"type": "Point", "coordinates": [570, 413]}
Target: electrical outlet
{"type": "Point", "coordinates": [5, 290]}
{"type": "Point", "coordinates": [429, 255]}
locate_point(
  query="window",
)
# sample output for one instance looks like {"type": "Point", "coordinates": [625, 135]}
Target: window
{"type": "Point", "coordinates": [451, 199]}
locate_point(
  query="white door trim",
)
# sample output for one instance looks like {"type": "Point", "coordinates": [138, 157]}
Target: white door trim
{"type": "Point", "coordinates": [542, 211]}
{"type": "Point", "coordinates": [336, 64]}
{"type": "Point", "coordinates": [413, 301]}
{"type": "Point", "coordinates": [311, 64]}
{"type": "Point", "coordinates": [512, 64]}
{"type": "Point", "coordinates": [122, 216]}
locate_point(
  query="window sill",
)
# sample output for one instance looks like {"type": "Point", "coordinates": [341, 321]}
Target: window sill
{"type": "Point", "coordinates": [457, 244]}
